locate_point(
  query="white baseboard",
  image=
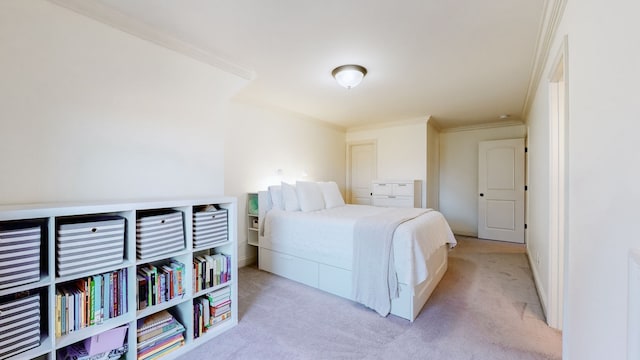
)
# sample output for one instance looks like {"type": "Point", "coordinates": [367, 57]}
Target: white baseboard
{"type": "Point", "coordinates": [542, 295]}
{"type": "Point", "coordinates": [464, 233]}
{"type": "Point", "coordinates": [247, 261]}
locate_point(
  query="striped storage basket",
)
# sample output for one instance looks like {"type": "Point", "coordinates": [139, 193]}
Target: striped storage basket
{"type": "Point", "coordinates": [89, 243]}
{"type": "Point", "coordinates": [19, 325]}
{"type": "Point", "coordinates": [159, 233]}
{"type": "Point", "coordinates": [19, 256]}
{"type": "Point", "coordinates": [210, 227]}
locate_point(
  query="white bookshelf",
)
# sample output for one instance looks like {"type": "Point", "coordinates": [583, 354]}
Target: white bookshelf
{"type": "Point", "coordinates": [252, 219]}
{"type": "Point", "coordinates": [181, 307]}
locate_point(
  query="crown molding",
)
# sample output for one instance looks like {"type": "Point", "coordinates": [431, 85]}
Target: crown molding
{"type": "Point", "coordinates": [431, 121]}
{"type": "Point", "coordinates": [553, 12]}
{"type": "Point", "coordinates": [484, 126]}
{"type": "Point", "coordinates": [388, 124]}
{"type": "Point", "coordinates": [120, 21]}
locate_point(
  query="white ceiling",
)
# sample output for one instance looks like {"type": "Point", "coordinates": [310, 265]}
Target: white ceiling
{"type": "Point", "coordinates": [462, 62]}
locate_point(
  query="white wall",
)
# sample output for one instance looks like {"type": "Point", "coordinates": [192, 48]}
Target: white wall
{"type": "Point", "coordinates": [604, 195]}
{"type": "Point", "coordinates": [433, 166]}
{"type": "Point", "coordinates": [537, 196]}
{"type": "Point", "coordinates": [88, 112]}
{"type": "Point", "coordinates": [459, 173]}
{"type": "Point", "coordinates": [261, 141]}
{"type": "Point", "coordinates": [401, 150]}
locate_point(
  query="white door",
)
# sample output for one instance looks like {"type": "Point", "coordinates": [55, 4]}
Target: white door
{"type": "Point", "coordinates": [362, 172]}
{"type": "Point", "coordinates": [501, 190]}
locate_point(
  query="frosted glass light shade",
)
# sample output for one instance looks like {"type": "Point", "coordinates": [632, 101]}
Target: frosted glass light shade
{"type": "Point", "coordinates": [349, 75]}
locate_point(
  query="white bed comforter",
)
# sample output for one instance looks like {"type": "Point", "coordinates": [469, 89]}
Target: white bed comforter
{"type": "Point", "coordinates": [326, 236]}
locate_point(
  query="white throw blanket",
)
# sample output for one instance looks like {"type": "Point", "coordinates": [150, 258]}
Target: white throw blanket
{"type": "Point", "coordinates": [374, 276]}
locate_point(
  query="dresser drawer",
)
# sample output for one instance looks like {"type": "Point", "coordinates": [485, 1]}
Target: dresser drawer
{"type": "Point", "coordinates": [393, 201]}
{"type": "Point", "coordinates": [403, 189]}
{"type": "Point", "coordinates": [382, 189]}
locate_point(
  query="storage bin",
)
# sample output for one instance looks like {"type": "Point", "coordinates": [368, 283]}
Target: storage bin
{"type": "Point", "coordinates": [19, 256]}
{"type": "Point", "coordinates": [210, 227]}
{"type": "Point", "coordinates": [19, 325]}
{"type": "Point", "coordinates": [159, 233]}
{"type": "Point", "coordinates": [89, 243]}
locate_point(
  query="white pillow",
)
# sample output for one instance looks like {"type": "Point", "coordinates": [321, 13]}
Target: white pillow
{"type": "Point", "coordinates": [275, 192]}
{"type": "Point", "coordinates": [331, 194]}
{"type": "Point", "coordinates": [309, 196]}
{"type": "Point", "coordinates": [289, 197]}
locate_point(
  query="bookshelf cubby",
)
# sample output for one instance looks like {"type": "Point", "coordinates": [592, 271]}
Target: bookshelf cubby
{"type": "Point", "coordinates": [51, 282]}
{"type": "Point", "coordinates": [252, 219]}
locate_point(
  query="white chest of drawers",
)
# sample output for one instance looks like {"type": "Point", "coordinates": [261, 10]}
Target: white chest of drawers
{"type": "Point", "coordinates": [396, 193]}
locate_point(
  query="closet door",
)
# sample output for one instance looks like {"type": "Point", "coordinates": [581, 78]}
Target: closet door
{"type": "Point", "coordinates": [362, 172]}
{"type": "Point", "coordinates": [501, 190]}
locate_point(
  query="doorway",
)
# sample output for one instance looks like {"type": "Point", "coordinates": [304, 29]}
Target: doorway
{"type": "Point", "coordinates": [361, 171]}
{"type": "Point", "coordinates": [501, 190]}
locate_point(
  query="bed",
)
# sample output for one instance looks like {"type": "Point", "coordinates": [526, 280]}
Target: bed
{"type": "Point", "coordinates": [308, 234]}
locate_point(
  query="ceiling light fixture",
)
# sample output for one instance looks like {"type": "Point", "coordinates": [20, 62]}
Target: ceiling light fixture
{"type": "Point", "coordinates": [349, 76]}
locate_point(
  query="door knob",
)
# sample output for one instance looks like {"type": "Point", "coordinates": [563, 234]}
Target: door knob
{"type": "Point", "coordinates": [481, 194]}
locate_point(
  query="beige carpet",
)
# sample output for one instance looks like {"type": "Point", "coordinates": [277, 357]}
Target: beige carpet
{"type": "Point", "coordinates": [486, 307]}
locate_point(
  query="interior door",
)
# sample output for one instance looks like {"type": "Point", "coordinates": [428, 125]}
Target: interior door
{"type": "Point", "coordinates": [501, 190]}
{"type": "Point", "coordinates": [362, 172]}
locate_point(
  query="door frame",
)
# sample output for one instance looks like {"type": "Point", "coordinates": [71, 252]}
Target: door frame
{"type": "Point", "coordinates": [517, 235]}
{"type": "Point", "coordinates": [350, 144]}
{"type": "Point", "coordinates": [558, 181]}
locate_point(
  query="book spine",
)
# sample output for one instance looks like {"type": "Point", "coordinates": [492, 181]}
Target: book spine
{"type": "Point", "coordinates": [161, 288]}
{"type": "Point", "coordinates": [92, 303]}
{"type": "Point", "coordinates": [58, 329]}
{"type": "Point", "coordinates": [125, 292]}
{"type": "Point", "coordinates": [142, 292]}
{"type": "Point", "coordinates": [154, 293]}
{"type": "Point", "coordinates": [97, 299]}
{"type": "Point", "coordinates": [116, 294]}
{"type": "Point", "coordinates": [105, 296]}
{"type": "Point", "coordinates": [72, 308]}
{"type": "Point", "coordinates": [111, 296]}
{"type": "Point", "coordinates": [79, 301]}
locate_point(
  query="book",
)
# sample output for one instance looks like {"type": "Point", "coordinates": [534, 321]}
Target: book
{"type": "Point", "coordinates": [218, 310]}
{"type": "Point", "coordinates": [148, 334]}
{"type": "Point", "coordinates": [165, 351]}
{"type": "Point", "coordinates": [125, 292]}
{"type": "Point", "coordinates": [153, 320]}
{"type": "Point", "coordinates": [71, 309]}
{"type": "Point", "coordinates": [106, 299]}
{"type": "Point", "coordinates": [205, 311]}
{"type": "Point", "coordinates": [159, 347]}
{"type": "Point", "coordinates": [92, 304]}
{"type": "Point", "coordinates": [58, 330]}
{"type": "Point", "coordinates": [220, 318]}
{"type": "Point", "coordinates": [209, 271]}
{"type": "Point", "coordinates": [178, 269]}
{"type": "Point", "coordinates": [161, 338]}
{"type": "Point", "coordinates": [116, 294]}
{"type": "Point", "coordinates": [112, 307]}
{"type": "Point", "coordinates": [97, 299]}
{"type": "Point", "coordinates": [196, 319]}
{"type": "Point", "coordinates": [168, 272]}
{"type": "Point", "coordinates": [142, 292]}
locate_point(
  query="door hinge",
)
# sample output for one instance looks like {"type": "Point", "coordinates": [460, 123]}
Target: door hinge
{"type": "Point", "coordinates": [526, 149]}
{"type": "Point", "coordinates": [526, 188]}
{"type": "Point", "coordinates": [525, 226]}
